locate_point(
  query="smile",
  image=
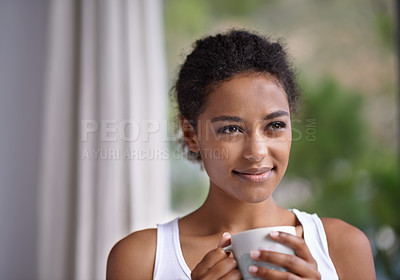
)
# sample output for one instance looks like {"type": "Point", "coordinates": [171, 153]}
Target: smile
{"type": "Point", "coordinates": [254, 175]}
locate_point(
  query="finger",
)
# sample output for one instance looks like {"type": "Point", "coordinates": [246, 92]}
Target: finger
{"type": "Point", "coordinates": [296, 243]}
{"type": "Point", "coordinates": [213, 257]}
{"type": "Point", "coordinates": [291, 262]}
{"type": "Point", "coordinates": [232, 275]}
{"type": "Point", "coordinates": [225, 240]}
{"type": "Point", "coordinates": [221, 269]}
{"type": "Point", "coordinates": [265, 273]}
{"type": "Point", "coordinates": [210, 259]}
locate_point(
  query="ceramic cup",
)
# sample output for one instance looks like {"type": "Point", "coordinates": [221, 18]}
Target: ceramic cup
{"type": "Point", "coordinates": [242, 243]}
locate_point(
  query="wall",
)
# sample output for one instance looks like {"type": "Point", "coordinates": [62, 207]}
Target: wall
{"type": "Point", "coordinates": [22, 37]}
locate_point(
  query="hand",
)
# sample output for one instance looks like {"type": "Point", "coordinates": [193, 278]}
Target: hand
{"type": "Point", "coordinates": [300, 266]}
{"type": "Point", "coordinates": [217, 264]}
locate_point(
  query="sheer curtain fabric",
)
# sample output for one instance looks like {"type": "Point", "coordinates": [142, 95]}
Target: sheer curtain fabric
{"type": "Point", "coordinates": [101, 174]}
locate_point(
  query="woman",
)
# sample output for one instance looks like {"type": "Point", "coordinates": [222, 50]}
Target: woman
{"type": "Point", "coordinates": [236, 93]}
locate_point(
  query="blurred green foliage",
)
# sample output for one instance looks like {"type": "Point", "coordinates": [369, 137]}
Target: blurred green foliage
{"type": "Point", "coordinates": [356, 179]}
{"type": "Point", "coordinates": [339, 131]}
{"type": "Point", "coordinates": [352, 177]}
{"type": "Point", "coordinates": [188, 186]}
{"type": "Point", "coordinates": [237, 8]}
{"type": "Point", "coordinates": [187, 17]}
{"type": "Point", "coordinates": [385, 24]}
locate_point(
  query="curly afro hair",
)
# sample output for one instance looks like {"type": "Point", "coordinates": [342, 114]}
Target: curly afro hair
{"type": "Point", "coordinates": [216, 59]}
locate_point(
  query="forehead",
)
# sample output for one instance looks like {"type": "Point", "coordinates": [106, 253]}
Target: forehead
{"type": "Point", "coordinates": [246, 94]}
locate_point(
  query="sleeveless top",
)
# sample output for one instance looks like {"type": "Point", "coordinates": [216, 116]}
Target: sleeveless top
{"type": "Point", "coordinates": [170, 264]}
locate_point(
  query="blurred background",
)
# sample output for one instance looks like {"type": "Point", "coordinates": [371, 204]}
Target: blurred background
{"type": "Point", "coordinates": [345, 154]}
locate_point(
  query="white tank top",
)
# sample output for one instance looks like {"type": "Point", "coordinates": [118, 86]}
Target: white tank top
{"type": "Point", "coordinates": [170, 264]}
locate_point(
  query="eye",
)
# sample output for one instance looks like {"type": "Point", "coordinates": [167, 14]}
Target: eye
{"type": "Point", "coordinates": [276, 125]}
{"type": "Point", "coordinates": [229, 129]}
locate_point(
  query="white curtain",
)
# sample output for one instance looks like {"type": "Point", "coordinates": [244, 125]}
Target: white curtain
{"type": "Point", "coordinates": [104, 169]}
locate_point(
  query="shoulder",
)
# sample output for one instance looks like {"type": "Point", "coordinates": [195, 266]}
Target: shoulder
{"type": "Point", "coordinates": [133, 257]}
{"type": "Point", "coordinates": [342, 235]}
{"type": "Point", "coordinates": [349, 249]}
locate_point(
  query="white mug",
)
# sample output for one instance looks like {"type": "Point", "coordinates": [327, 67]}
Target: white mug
{"type": "Point", "coordinates": [254, 239]}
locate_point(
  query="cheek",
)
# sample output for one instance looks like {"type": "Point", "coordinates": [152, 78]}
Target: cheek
{"type": "Point", "coordinates": [218, 154]}
{"type": "Point", "coordinates": [217, 168]}
{"type": "Point", "coordinates": [219, 157]}
{"type": "Point", "coordinates": [281, 149]}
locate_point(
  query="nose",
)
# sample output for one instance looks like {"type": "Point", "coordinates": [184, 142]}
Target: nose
{"type": "Point", "coordinates": [256, 148]}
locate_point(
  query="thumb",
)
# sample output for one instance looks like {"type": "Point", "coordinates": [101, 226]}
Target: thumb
{"type": "Point", "coordinates": [225, 240]}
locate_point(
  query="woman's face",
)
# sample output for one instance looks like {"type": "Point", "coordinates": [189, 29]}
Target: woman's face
{"type": "Point", "coordinates": [244, 137]}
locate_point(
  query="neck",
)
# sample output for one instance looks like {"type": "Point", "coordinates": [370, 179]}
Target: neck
{"type": "Point", "coordinates": [221, 213]}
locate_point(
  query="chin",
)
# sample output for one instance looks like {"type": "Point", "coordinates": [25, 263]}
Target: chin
{"type": "Point", "coordinates": [256, 197]}
{"type": "Point", "coordinates": [259, 200]}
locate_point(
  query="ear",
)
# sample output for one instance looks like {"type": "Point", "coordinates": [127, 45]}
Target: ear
{"type": "Point", "coordinates": [189, 135]}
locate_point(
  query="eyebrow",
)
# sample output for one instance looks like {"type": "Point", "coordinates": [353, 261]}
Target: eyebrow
{"type": "Point", "coordinates": [276, 114]}
{"type": "Point", "coordinates": [237, 119]}
{"type": "Point", "coordinates": [227, 118]}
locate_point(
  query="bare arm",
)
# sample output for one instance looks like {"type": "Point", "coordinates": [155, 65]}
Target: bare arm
{"type": "Point", "coordinates": [349, 250]}
{"type": "Point", "coordinates": [133, 257]}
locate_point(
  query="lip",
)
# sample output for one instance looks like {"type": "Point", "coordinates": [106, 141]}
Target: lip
{"type": "Point", "coordinates": [254, 175]}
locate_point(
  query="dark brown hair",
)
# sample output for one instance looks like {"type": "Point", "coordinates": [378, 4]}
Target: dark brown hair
{"type": "Point", "coordinates": [216, 59]}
